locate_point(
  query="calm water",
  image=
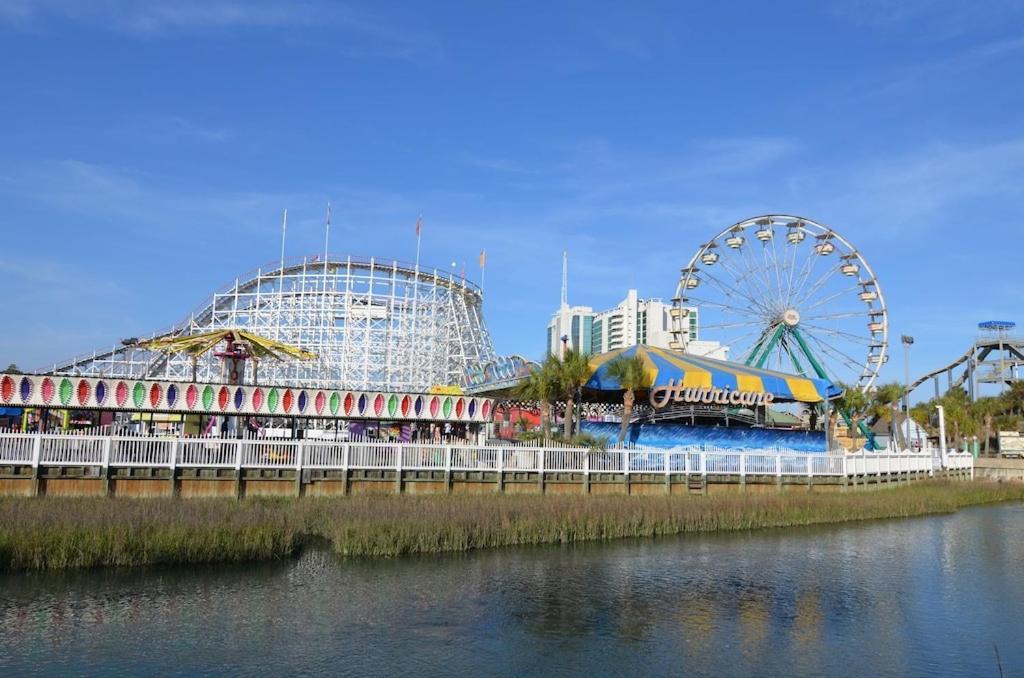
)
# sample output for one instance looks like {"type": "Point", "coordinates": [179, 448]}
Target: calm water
{"type": "Point", "coordinates": [927, 596]}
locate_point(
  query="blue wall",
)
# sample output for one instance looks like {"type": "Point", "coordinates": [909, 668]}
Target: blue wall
{"type": "Point", "coordinates": [672, 435]}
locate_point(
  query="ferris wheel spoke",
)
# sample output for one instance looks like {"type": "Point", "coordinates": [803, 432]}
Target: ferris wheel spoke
{"type": "Point", "coordinates": [759, 272]}
{"type": "Point", "coordinates": [791, 281]}
{"type": "Point", "coordinates": [774, 266]}
{"type": "Point", "coordinates": [745, 311]}
{"type": "Point", "coordinates": [833, 316]}
{"type": "Point", "coordinates": [799, 293]}
{"type": "Point", "coordinates": [842, 356]}
{"type": "Point", "coordinates": [727, 326]}
{"type": "Point", "coordinates": [743, 277]}
{"type": "Point", "coordinates": [840, 333]}
{"type": "Point", "coordinates": [817, 285]}
{"type": "Point", "coordinates": [729, 290]}
{"type": "Point", "coordinates": [836, 295]}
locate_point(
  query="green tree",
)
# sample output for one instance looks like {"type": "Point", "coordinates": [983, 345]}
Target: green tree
{"type": "Point", "coordinates": [573, 371]}
{"type": "Point", "coordinates": [632, 376]}
{"type": "Point", "coordinates": [959, 417]}
{"type": "Point", "coordinates": [1014, 397]}
{"type": "Point", "coordinates": [984, 411]}
{"type": "Point", "coordinates": [541, 386]}
{"type": "Point", "coordinates": [855, 403]}
{"type": "Point", "coordinates": [12, 369]}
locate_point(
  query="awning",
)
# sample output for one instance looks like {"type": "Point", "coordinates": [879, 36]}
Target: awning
{"type": "Point", "coordinates": [681, 369]}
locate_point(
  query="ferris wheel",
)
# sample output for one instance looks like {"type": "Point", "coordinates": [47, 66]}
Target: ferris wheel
{"type": "Point", "coordinates": [785, 293]}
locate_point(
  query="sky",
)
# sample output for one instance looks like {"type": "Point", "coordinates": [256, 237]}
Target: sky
{"type": "Point", "coordinates": [148, 148]}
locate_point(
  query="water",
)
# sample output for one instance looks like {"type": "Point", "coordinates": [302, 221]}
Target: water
{"type": "Point", "coordinates": [924, 597]}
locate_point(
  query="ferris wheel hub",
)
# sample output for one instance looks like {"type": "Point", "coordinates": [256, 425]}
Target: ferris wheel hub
{"type": "Point", "coordinates": [791, 317]}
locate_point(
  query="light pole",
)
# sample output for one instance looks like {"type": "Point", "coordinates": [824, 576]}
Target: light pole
{"type": "Point", "coordinates": [908, 341]}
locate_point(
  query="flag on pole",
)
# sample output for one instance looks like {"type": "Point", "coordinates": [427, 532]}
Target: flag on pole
{"type": "Point", "coordinates": [483, 258]}
{"type": "Point", "coordinates": [419, 225]}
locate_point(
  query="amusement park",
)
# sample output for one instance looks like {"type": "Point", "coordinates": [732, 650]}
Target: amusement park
{"type": "Point", "coordinates": [386, 359]}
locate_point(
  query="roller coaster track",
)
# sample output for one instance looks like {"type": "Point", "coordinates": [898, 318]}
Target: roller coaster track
{"type": "Point", "coordinates": [978, 365]}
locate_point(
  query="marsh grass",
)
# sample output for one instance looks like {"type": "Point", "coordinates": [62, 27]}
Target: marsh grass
{"type": "Point", "coordinates": [54, 533]}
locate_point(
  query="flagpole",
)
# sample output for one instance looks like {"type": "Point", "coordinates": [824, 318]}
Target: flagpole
{"type": "Point", "coordinates": [327, 235]}
{"type": "Point", "coordinates": [280, 280]}
{"type": "Point", "coordinates": [483, 270]}
{"type": "Point", "coordinates": [323, 295]}
{"type": "Point", "coordinates": [284, 234]}
{"type": "Point", "coordinates": [419, 232]}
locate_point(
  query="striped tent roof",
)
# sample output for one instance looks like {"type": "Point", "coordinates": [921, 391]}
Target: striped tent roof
{"type": "Point", "coordinates": [695, 372]}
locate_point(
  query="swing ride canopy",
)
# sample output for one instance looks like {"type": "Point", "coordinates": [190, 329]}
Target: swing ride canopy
{"type": "Point", "coordinates": [198, 344]}
{"type": "Point", "coordinates": [664, 366]}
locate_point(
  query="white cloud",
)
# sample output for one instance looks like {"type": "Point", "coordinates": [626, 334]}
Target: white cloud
{"type": "Point", "coordinates": [358, 33]}
{"type": "Point", "coordinates": [930, 19]}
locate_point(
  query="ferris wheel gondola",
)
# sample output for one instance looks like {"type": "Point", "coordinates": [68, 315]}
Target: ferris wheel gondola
{"type": "Point", "coordinates": [787, 293]}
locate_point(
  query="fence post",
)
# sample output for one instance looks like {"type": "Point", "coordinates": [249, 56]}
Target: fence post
{"type": "Point", "coordinates": [172, 463]}
{"type": "Point", "coordinates": [625, 470]}
{"type": "Point", "coordinates": [447, 469]}
{"type": "Point", "coordinates": [299, 449]}
{"type": "Point", "coordinates": [238, 469]}
{"type": "Point", "coordinates": [704, 470]}
{"type": "Point", "coordinates": [501, 468]}
{"type": "Point", "coordinates": [37, 448]}
{"type": "Point", "coordinates": [398, 469]}
{"type": "Point", "coordinates": [810, 473]}
{"type": "Point", "coordinates": [586, 471]}
{"type": "Point", "coordinates": [778, 472]}
{"type": "Point", "coordinates": [668, 472]}
{"type": "Point", "coordinates": [105, 466]}
{"type": "Point", "coordinates": [344, 467]}
{"type": "Point", "coordinates": [743, 471]}
{"type": "Point", "coordinates": [540, 469]}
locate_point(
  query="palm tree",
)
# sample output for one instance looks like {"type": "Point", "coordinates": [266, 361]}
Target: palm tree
{"type": "Point", "coordinates": [573, 371]}
{"type": "Point", "coordinates": [855, 404]}
{"type": "Point", "coordinates": [541, 387]}
{"type": "Point", "coordinates": [986, 410]}
{"type": "Point", "coordinates": [632, 377]}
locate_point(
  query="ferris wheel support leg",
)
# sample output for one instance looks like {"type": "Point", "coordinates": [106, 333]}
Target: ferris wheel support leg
{"type": "Point", "coordinates": [820, 371]}
{"type": "Point", "coordinates": [768, 348]}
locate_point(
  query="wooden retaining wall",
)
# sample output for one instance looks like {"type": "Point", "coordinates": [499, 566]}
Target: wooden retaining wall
{"type": "Point", "coordinates": [73, 481]}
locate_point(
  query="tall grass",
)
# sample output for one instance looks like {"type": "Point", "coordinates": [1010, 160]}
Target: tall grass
{"type": "Point", "coordinates": [52, 533]}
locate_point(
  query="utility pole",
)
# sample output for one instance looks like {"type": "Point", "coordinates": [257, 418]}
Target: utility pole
{"type": "Point", "coordinates": [908, 341]}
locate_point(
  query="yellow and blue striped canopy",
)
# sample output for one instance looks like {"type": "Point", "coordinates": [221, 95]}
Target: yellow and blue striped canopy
{"type": "Point", "coordinates": [695, 372]}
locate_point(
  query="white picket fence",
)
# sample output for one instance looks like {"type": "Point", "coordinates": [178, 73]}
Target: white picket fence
{"type": "Point", "coordinates": [171, 452]}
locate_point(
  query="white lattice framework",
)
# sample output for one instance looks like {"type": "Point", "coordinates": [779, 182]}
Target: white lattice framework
{"type": "Point", "coordinates": [374, 324]}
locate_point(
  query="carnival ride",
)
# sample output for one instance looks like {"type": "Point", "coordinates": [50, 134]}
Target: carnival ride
{"type": "Point", "coordinates": [787, 293]}
{"type": "Point", "coordinates": [240, 346]}
{"type": "Point", "coordinates": [996, 358]}
{"type": "Point", "coordinates": [373, 324]}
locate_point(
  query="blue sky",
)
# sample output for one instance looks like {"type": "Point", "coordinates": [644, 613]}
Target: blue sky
{"type": "Point", "coordinates": [148, 148]}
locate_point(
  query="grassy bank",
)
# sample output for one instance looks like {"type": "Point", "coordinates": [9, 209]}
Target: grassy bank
{"type": "Point", "coordinates": [53, 533]}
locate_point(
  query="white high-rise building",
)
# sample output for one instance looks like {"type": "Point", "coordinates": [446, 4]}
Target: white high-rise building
{"type": "Point", "coordinates": [633, 321]}
{"type": "Point", "coordinates": [571, 327]}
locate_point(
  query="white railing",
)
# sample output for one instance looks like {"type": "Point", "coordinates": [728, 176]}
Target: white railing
{"type": "Point", "coordinates": [200, 452]}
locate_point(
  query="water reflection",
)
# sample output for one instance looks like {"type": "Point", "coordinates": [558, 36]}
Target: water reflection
{"type": "Point", "coordinates": [925, 597]}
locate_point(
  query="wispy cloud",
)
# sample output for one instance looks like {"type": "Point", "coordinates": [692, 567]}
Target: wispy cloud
{"type": "Point", "coordinates": [368, 34]}
{"type": "Point", "coordinates": [171, 128]}
{"type": "Point", "coordinates": [930, 19]}
{"type": "Point", "coordinates": [906, 191]}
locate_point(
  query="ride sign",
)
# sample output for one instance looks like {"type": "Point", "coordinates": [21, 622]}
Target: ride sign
{"type": "Point", "coordinates": [660, 396]}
